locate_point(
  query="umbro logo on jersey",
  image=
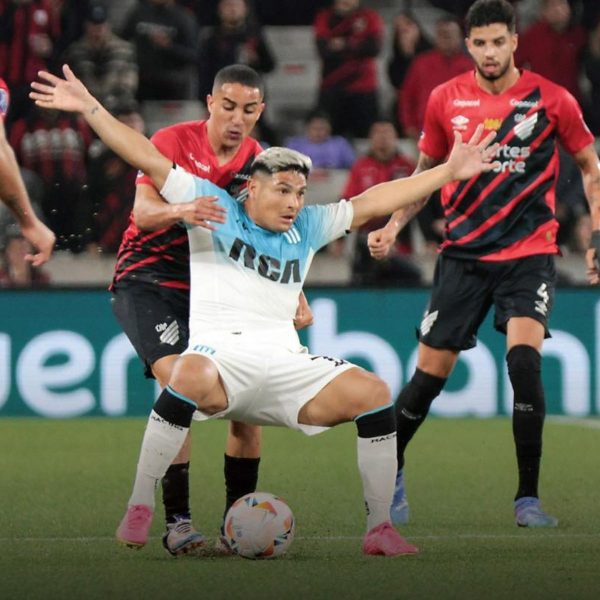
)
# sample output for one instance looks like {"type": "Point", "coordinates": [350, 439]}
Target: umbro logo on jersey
{"type": "Point", "coordinates": [525, 128]}
{"type": "Point", "coordinates": [428, 321]}
{"type": "Point", "coordinates": [459, 122]}
{"type": "Point", "coordinates": [171, 334]}
{"type": "Point", "coordinates": [292, 236]}
{"type": "Point", "coordinates": [199, 165]}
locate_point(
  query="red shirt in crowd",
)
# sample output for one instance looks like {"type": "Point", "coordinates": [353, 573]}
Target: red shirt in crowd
{"type": "Point", "coordinates": [163, 256]}
{"type": "Point", "coordinates": [507, 213]}
{"type": "Point", "coordinates": [427, 71]}
{"type": "Point", "coordinates": [552, 54]}
{"type": "Point", "coordinates": [353, 68]}
{"type": "Point", "coordinates": [53, 145]}
{"type": "Point", "coordinates": [25, 27]}
{"type": "Point", "coordinates": [367, 172]}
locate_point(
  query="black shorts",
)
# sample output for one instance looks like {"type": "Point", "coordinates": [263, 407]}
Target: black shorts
{"type": "Point", "coordinates": [464, 291]}
{"type": "Point", "coordinates": [154, 318]}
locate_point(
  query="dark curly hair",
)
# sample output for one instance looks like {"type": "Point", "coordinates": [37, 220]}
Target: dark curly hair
{"type": "Point", "coordinates": [486, 12]}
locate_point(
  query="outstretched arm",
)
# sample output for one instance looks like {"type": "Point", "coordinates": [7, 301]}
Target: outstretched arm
{"type": "Point", "coordinates": [14, 195]}
{"type": "Point", "coordinates": [381, 241]}
{"type": "Point", "coordinates": [70, 95]}
{"type": "Point", "coordinates": [466, 160]}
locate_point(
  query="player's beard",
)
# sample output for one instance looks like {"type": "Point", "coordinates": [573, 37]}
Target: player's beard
{"type": "Point", "coordinates": [503, 70]}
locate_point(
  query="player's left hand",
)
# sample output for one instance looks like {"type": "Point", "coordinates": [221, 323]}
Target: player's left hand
{"type": "Point", "coordinates": [468, 159]}
{"type": "Point", "coordinates": [592, 259]}
{"type": "Point", "coordinates": [304, 317]}
{"type": "Point", "coordinates": [68, 94]}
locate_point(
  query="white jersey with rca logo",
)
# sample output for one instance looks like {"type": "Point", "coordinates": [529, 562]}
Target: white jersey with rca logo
{"type": "Point", "coordinates": [245, 279]}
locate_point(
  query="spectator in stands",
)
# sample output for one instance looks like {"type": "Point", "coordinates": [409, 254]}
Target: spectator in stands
{"type": "Point", "coordinates": [325, 150]}
{"type": "Point", "coordinates": [289, 12]}
{"type": "Point", "coordinates": [553, 47]}
{"type": "Point", "coordinates": [591, 66]}
{"type": "Point", "coordinates": [15, 271]}
{"type": "Point", "coordinates": [104, 62]}
{"type": "Point", "coordinates": [408, 41]}
{"type": "Point", "coordinates": [54, 145]}
{"type": "Point", "coordinates": [570, 199]}
{"type": "Point", "coordinates": [447, 59]}
{"type": "Point", "coordinates": [349, 39]}
{"type": "Point", "coordinates": [111, 184]}
{"type": "Point", "coordinates": [71, 15]}
{"type": "Point", "coordinates": [28, 30]}
{"type": "Point", "coordinates": [165, 38]}
{"type": "Point", "coordinates": [383, 162]}
{"type": "Point", "coordinates": [237, 39]}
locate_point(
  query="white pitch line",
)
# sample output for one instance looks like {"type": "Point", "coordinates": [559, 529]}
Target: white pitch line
{"type": "Point", "coordinates": [341, 538]}
{"type": "Point", "coordinates": [591, 423]}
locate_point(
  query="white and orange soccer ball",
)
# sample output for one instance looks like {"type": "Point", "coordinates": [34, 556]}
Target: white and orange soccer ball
{"type": "Point", "coordinates": [259, 525]}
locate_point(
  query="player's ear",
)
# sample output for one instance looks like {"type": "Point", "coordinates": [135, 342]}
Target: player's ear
{"type": "Point", "coordinates": [210, 101]}
{"type": "Point", "coordinates": [515, 41]}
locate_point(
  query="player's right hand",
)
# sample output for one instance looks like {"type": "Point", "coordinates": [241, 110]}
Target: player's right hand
{"type": "Point", "coordinates": [202, 212]}
{"type": "Point", "coordinates": [42, 239]}
{"type": "Point", "coordinates": [380, 242]}
{"type": "Point", "coordinates": [592, 259]}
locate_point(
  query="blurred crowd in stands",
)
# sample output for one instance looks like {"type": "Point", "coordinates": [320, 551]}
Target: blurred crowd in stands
{"type": "Point", "coordinates": [377, 62]}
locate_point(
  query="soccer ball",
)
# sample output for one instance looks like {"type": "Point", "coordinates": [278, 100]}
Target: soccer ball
{"type": "Point", "coordinates": [259, 525]}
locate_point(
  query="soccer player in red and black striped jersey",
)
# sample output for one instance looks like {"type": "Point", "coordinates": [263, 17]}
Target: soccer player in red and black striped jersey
{"type": "Point", "coordinates": [151, 282]}
{"type": "Point", "coordinates": [14, 194]}
{"type": "Point", "coordinates": [500, 236]}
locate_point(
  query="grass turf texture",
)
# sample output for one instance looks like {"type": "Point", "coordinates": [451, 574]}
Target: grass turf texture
{"type": "Point", "coordinates": [65, 485]}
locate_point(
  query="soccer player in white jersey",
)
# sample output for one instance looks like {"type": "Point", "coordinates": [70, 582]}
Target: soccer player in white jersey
{"type": "Point", "coordinates": [244, 359]}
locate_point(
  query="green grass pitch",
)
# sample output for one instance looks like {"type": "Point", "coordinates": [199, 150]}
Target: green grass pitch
{"type": "Point", "coordinates": [65, 484]}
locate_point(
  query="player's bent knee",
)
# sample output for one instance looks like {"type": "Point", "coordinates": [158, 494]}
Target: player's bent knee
{"type": "Point", "coordinates": [194, 376]}
{"type": "Point", "coordinates": [371, 394]}
{"type": "Point", "coordinates": [244, 432]}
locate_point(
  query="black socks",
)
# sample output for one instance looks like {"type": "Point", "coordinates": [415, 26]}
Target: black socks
{"type": "Point", "coordinates": [412, 407]}
{"type": "Point", "coordinates": [524, 370]}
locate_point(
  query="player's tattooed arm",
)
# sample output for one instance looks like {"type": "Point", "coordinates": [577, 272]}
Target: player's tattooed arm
{"type": "Point", "coordinates": [588, 162]}
{"type": "Point", "coordinates": [69, 94]}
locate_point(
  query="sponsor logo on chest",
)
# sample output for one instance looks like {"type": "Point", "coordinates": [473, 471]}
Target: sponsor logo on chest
{"type": "Point", "coordinates": [199, 165]}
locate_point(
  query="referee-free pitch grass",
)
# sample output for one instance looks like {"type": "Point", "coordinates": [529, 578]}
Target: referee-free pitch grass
{"type": "Point", "coordinates": [65, 484]}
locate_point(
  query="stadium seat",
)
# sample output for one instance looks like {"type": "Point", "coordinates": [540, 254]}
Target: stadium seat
{"type": "Point", "coordinates": [325, 185]}
{"type": "Point", "coordinates": [292, 86]}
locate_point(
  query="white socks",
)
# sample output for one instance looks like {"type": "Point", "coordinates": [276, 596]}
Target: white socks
{"type": "Point", "coordinates": [378, 465]}
{"type": "Point", "coordinates": [162, 441]}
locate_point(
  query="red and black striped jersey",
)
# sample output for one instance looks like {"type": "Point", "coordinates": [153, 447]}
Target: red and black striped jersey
{"type": "Point", "coordinates": [509, 212]}
{"type": "Point", "coordinates": [162, 257]}
{"type": "Point", "coordinates": [4, 98]}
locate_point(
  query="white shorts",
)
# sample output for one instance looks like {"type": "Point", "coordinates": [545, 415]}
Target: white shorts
{"type": "Point", "coordinates": [266, 384]}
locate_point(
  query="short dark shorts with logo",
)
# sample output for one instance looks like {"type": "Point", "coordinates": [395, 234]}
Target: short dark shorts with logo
{"type": "Point", "coordinates": [465, 290]}
{"type": "Point", "coordinates": [154, 318]}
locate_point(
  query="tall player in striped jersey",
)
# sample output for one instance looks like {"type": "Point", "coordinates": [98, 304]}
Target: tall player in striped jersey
{"type": "Point", "coordinates": [151, 281]}
{"type": "Point", "coordinates": [500, 236]}
{"type": "Point", "coordinates": [244, 360]}
{"type": "Point", "coordinates": [14, 194]}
